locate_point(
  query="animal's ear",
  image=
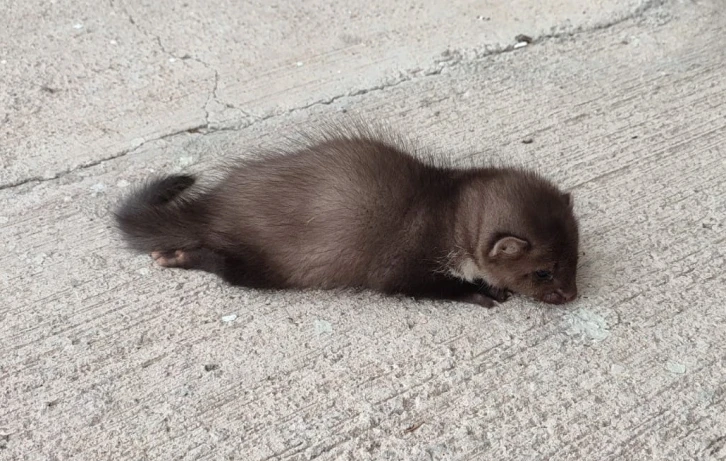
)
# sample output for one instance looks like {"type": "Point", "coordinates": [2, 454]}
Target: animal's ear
{"type": "Point", "coordinates": [509, 247]}
{"type": "Point", "coordinates": [569, 201]}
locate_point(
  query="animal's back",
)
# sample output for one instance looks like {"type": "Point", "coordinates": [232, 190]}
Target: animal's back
{"type": "Point", "coordinates": [326, 213]}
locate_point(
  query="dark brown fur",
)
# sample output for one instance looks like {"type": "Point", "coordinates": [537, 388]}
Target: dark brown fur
{"type": "Point", "coordinates": [354, 211]}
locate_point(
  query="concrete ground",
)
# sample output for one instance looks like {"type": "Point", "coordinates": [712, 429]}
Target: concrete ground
{"type": "Point", "coordinates": [104, 356]}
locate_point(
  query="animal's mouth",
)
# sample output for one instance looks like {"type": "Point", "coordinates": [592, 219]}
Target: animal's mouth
{"type": "Point", "coordinates": [559, 296]}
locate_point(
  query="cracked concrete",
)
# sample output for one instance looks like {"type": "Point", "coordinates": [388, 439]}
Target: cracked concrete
{"type": "Point", "coordinates": [241, 59]}
{"type": "Point", "coordinates": [104, 356]}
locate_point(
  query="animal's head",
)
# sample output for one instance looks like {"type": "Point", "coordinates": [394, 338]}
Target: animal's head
{"type": "Point", "coordinates": [526, 237]}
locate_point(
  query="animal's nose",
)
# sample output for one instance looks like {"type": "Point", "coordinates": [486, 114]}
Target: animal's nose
{"type": "Point", "coordinates": [568, 295]}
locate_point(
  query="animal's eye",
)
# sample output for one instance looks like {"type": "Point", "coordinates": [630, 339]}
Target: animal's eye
{"type": "Point", "coordinates": [543, 275]}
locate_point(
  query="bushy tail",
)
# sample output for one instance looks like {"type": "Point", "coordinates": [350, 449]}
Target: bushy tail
{"type": "Point", "coordinates": [157, 218]}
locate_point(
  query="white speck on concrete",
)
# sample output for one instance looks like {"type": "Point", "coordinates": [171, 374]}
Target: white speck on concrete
{"type": "Point", "coordinates": [520, 45]}
{"type": "Point", "coordinates": [676, 368]}
{"type": "Point", "coordinates": [299, 64]}
{"type": "Point", "coordinates": [707, 396]}
{"type": "Point", "coordinates": [122, 183]}
{"type": "Point", "coordinates": [587, 323]}
{"type": "Point", "coordinates": [617, 369]}
{"type": "Point", "coordinates": [172, 59]}
{"type": "Point", "coordinates": [229, 318]}
{"type": "Point", "coordinates": [187, 160]}
{"type": "Point", "coordinates": [98, 188]}
{"type": "Point", "coordinates": [323, 326]}
{"type": "Point", "coordinates": [114, 42]}
{"type": "Point", "coordinates": [4, 61]}
{"type": "Point", "coordinates": [144, 271]}
{"type": "Point", "coordinates": [78, 26]}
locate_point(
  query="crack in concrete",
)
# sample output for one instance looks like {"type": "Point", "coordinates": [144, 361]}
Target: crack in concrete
{"type": "Point", "coordinates": [213, 96]}
{"type": "Point", "coordinates": [449, 60]}
{"type": "Point", "coordinates": [41, 179]}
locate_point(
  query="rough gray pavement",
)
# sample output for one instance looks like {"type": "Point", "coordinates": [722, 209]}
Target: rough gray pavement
{"type": "Point", "coordinates": [104, 356]}
{"type": "Point", "coordinates": [85, 82]}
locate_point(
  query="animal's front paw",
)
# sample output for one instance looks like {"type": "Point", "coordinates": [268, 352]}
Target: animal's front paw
{"type": "Point", "coordinates": [479, 299]}
{"type": "Point", "coordinates": [499, 294]}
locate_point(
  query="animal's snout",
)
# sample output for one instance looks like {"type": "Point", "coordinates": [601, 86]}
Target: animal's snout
{"type": "Point", "coordinates": [568, 295]}
{"type": "Point", "coordinates": [560, 296]}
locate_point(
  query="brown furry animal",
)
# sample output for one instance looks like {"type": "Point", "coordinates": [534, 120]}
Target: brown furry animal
{"type": "Point", "coordinates": [356, 211]}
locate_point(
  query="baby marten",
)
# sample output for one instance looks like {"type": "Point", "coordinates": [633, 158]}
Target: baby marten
{"type": "Point", "coordinates": [358, 211]}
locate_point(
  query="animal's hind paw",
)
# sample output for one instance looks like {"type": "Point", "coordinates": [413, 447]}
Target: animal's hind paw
{"type": "Point", "coordinates": [176, 258]}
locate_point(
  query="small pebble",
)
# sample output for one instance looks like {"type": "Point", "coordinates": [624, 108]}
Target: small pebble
{"type": "Point", "coordinates": [210, 367]}
{"type": "Point", "coordinates": [527, 141]}
{"type": "Point", "coordinates": [229, 318]}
